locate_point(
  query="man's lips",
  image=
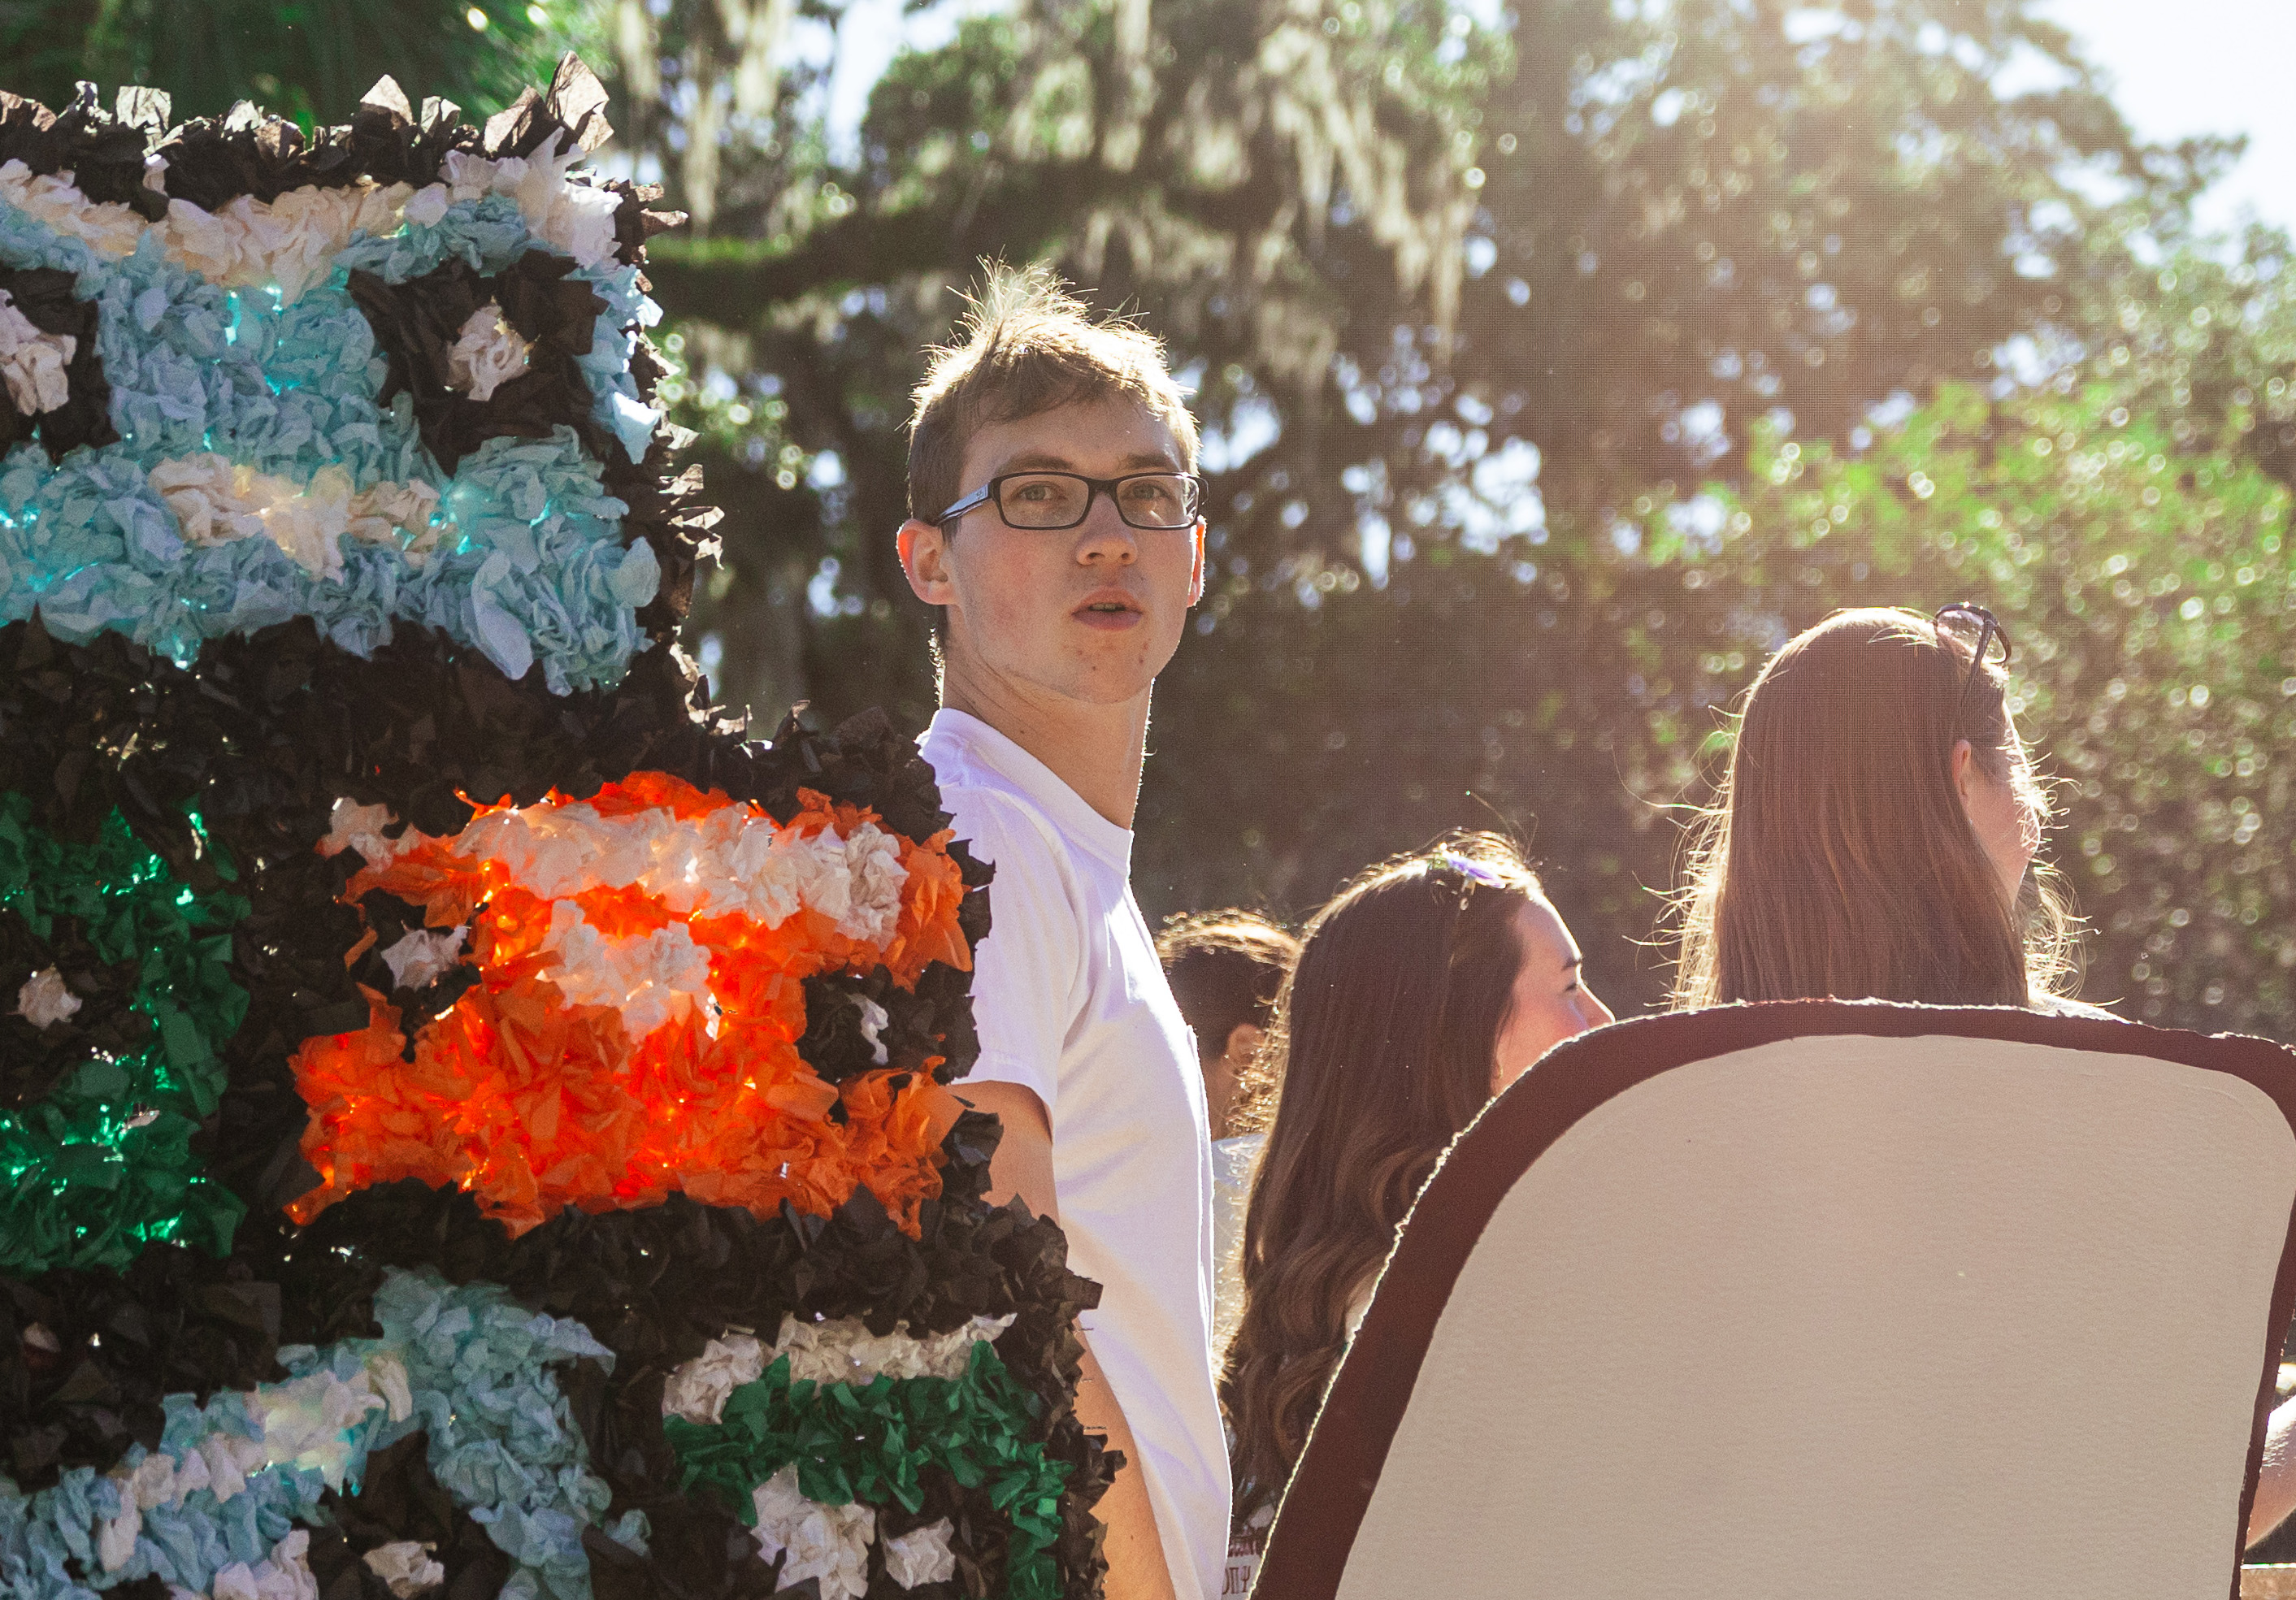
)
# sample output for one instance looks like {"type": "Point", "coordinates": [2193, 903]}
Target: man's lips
{"type": "Point", "coordinates": [1107, 608]}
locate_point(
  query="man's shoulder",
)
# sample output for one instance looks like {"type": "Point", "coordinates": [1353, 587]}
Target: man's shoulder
{"type": "Point", "coordinates": [998, 818]}
{"type": "Point", "coordinates": [993, 811]}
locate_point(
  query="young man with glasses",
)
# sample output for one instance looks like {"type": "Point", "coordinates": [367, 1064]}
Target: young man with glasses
{"type": "Point", "coordinates": [1054, 524]}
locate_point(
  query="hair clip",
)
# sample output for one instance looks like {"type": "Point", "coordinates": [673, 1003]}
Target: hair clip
{"type": "Point", "coordinates": [1472, 869]}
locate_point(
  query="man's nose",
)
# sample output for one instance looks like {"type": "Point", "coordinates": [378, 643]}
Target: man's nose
{"type": "Point", "coordinates": [1105, 535]}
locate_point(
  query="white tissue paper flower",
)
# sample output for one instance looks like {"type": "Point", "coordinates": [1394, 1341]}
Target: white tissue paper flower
{"type": "Point", "coordinates": [46, 1000]}
{"type": "Point", "coordinates": [32, 363]}
{"type": "Point", "coordinates": [576, 217]}
{"type": "Point", "coordinates": [827, 1542]}
{"type": "Point", "coordinates": [651, 977]}
{"type": "Point", "coordinates": [230, 1457]}
{"type": "Point", "coordinates": [310, 1422]}
{"type": "Point", "coordinates": [289, 243]}
{"type": "Point", "coordinates": [843, 1350]}
{"type": "Point", "coordinates": [353, 827]}
{"type": "Point", "coordinates": [115, 1537]}
{"type": "Point", "coordinates": [378, 513]}
{"type": "Point", "coordinates": [387, 1374]}
{"type": "Point", "coordinates": [488, 353]}
{"type": "Point", "coordinates": [874, 1018]}
{"type": "Point", "coordinates": [108, 227]}
{"type": "Point", "coordinates": [217, 500]}
{"type": "Point", "coordinates": [422, 955]}
{"type": "Point", "coordinates": [285, 1574]}
{"type": "Point", "coordinates": [922, 1554]}
{"type": "Point", "coordinates": [699, 1388]}
{"type": "Point", "coordinates": [407, 1567]}
{"type": "Point", "coordinates": [152, 1481]}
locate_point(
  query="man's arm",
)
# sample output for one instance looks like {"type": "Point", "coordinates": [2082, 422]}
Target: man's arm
{"type": "Point", "coordinates": [1023, 1166]}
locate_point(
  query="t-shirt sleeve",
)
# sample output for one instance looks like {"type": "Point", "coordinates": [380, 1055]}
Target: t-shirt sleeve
{"type": "Point", "coordinates": [1025, 974]}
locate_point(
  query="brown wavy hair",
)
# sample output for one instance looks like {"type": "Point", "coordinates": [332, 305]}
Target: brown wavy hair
{"type": "Point", "coordinates": [1386, 1032]}
{"type": "Point", "coordinates": [1837, 859]}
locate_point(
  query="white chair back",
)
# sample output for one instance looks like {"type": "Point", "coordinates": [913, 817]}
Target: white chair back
{"type": "Point", "coordinates": [1822, 1299]}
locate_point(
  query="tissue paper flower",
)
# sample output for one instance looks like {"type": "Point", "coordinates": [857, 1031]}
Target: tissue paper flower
{"type": "Point", "coordinates": [287, 244]}
{"type": "Point", "coordinates": [46, 1000]}
{"type": "Point", "coordinates": [98, 1161]}
{"type": "Point", "coordinates": [488, 354]}
{"type": "Point", "coordinates": [244, 394]}
{"type": "Point", "coordinates": [805, 1460]}
{"type": "Point", "coordinates": [641, 960]}
{"type": "Point", "coordinates": [839, 1350]}
{"type": "Point", "coordinates": [32, 363]}
{"type": "Point", "coordinates": [216, 501]}
{"type": "Point", "coordinates": [922, 1555]}
{"type": "Point", "coordinates": [830, 1543]}
{"type": "Point", "coordinates": [572, 215]}
{"type": "Point", "coordinates": [51, 199]}
{"type": "Point", "coordinates": [215, 1509]}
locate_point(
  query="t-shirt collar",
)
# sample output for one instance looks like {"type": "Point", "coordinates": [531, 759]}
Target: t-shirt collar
{"type": "Point", "coordinates": [1068, 811]}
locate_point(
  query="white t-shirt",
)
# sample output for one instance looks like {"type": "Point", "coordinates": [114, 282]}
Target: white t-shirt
{"type": "Point", "coordinates": [1072, 1002]}
{"type": "Point", "coordinates": [1232, 1163]}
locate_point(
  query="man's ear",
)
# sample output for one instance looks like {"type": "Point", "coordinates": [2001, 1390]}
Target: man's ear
{"type": "Point", "coordinates": [924, 558]}
{"type": "Point", "coordinates": [1196, 570]}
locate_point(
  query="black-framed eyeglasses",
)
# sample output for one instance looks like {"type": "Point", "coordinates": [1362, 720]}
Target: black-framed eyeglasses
{"type": "Point", "coordinates": [1963, 615]}
{"type": "Point", "coordinates": [1048, 502]}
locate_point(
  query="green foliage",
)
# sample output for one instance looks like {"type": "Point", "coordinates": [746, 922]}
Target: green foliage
{"type": "Point", "coordinates": [1457, 423]}
{"type": "Point", "coordinates": [1581, 696]}
{"type": "Point", "coordinates": [1470, 313]}
{"type": "Point", "coordinates": [1404, 257]}
{"type": "Point", "coordinates": [307, 59]}
{"type": "Point", "coordinates": [2150, 595]}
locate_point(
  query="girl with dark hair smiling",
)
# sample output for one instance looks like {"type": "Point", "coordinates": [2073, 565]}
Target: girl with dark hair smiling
{"type": "Point", "coordinates": [1424, 988]}
{"type": "Point", "coordinates": [1876, 828]}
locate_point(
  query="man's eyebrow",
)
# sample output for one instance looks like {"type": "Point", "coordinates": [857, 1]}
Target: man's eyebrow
{"type": "Point", "coordinates": [1045, 461]}
{"type": "Point", "coordinates": [1575, 961]}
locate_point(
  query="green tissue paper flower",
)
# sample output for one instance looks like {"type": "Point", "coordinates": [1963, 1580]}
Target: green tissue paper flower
{"type": "Point", "coordinates": [874, 1444]}
{"type": "Point", "coordinates": [101, 1163]}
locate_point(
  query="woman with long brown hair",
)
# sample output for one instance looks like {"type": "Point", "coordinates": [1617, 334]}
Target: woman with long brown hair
{"type": "Point", "coordinates": [1875, 831]}
{"type": "Point", "coordinates": [1426, 986]}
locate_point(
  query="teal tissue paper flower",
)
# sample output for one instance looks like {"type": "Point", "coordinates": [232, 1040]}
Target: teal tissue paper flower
{"type": "Point", "coordinates": [523, 558]}
{"type": "Point", "coordinates": [464, 1364]}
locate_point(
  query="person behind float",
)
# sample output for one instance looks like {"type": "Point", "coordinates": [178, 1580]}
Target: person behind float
{"type": "Point", "coordinates": [1875, 837]}
{"type": "Point", "coordinates": [1226, 969]}
{"type": "Point", "coordinates": [1054, 523]}
{"type": "Point", "coordinates": [1875, 832]}
{"type": "Point", "coordinates": [1425, 987]}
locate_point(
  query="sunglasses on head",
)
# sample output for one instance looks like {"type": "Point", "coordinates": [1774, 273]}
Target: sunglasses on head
{"type": "Point", "coordinates": [1961, 616]}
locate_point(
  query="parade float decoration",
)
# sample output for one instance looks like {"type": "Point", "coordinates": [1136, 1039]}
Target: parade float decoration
{"type": "Point", "coordinates": [472, 1122]}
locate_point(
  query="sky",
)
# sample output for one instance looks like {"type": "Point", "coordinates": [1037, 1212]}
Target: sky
{"type": "Point", "coordinates": [2189, 66]}
{"type": "Point", "coordinates": [2203, 67]}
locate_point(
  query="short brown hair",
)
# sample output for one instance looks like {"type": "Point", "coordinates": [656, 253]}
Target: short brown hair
{"type": "Point", "coordinates": [1226, 969]}
{"type": "Point", "coordinates": [1837, 859]}
{"type": "Point", "coordinates": [1028, 345]}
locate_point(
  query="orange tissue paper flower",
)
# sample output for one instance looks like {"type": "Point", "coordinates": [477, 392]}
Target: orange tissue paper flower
{"type": "Point", "coordinates": [633, 1032]}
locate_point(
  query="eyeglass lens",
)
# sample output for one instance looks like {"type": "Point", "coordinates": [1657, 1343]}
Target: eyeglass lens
{"type": "Point", "coordinates": [1063, 499]}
